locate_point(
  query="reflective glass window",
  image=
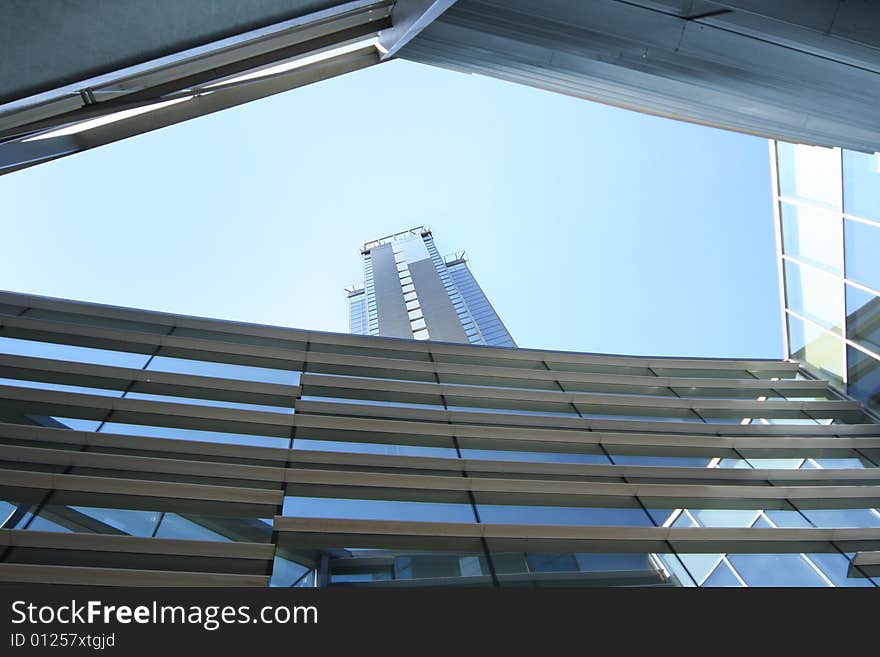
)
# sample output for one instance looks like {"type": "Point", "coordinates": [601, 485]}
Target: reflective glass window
{"type": "Point", "coordinates": [722, 576]}
{"type": "Point", "coordinates": [678, 572]}
{"type": "Point", "coordinates": [194, 434]}
{"type": "Point", "coordinates": [373, 448]}
{"type": "Point", "coordinates": [598, 562]}
{"type": "Point", "coordinates": [724, 517]}
{"type": "Point", "coordinates": [286, 572]}
{"type": "Point", "coordinates": [830, 518]}
{"type": "Point", "coordinates": [863, 317]}
{"type": "Point", "coordinates": [864, 377]}
{"type": "Point", "coordinates": [814, 294]}
{"type": "Point", "coordinates": [224, 370]}
{"type": "Point", "coordinates": [128, 521]}
{"type": "Point", "coordinates": [861, 184]}
{"type": "Point", "coordinates": [835, 566]}
{"type": "Point", "coordinates": [6, 510]}
{"type": "Point", "coordinates": [559, 515]}
{"type": "Point", "coordinates": [846, 463]}
{"type": "Point", "coordinates": [42, 524]}
{"type": "Point", "coordinates": [72, 353]}
{"type": "Point", "coordinates": [325, 507]}
{"type": "Point", "coordinates": [176, 526]}
{"type": "Point", "coordinates": [663, 461]}
{"type": "Point", "coordinates": [700, 565]}
{"type": "Point", "coordinates": [811, 173]}
{"type": "Point", "coordinates": [376, 402]}
{"type": "Point", "coordinates": [58, 517]}
{"type": "Point", "coordinates": [78, 424]}
{"type": "Point", "coordinates": [862, 253]}
{"type": "Point", "coordinates": [211, 402]}
{"type": "Point", "coordinates": [537, 457]}
{"type": "Point", "coordinates": [786, 518]}
{"type": "Point", "coordinates": [550, 562]}
{"type": "Point", "coordinates": [60, 387]}
{"type": "Point", "coordinates": [776, 570]}
{"type": "Point", "coordinates": [813, 235]}
{"type": "Point", "coordinates": [427, 566]}
{"type": "Point", "coordinates": [776, 464]}
{"type": "Point", "coordinates": [820, 350]}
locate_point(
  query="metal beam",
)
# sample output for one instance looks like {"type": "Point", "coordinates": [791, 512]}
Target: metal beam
{"type": "Point", "coordinates": [409, 17]}
{"type": "Point", "coordinates": [27, 153]}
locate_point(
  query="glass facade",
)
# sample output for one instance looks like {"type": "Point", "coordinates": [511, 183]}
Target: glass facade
{"type": "Point", "coordinates": [357, 311]}
{"type": "Point", "coordinates": [491, 329]}
{"type": "Point", "coordinates": [293, 458]}
{"type": "Point", "coordinates": [828, 219]}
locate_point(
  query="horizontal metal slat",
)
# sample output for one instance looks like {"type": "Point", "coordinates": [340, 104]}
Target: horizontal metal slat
{"type": "Point", "coordinates": [135, 544]}
{"type": "Point", "coordinates": [39, 401]}
{"type": "Point", "coordinates": [466, 537]}
{"type": "Point", "coordinates": [317, 384]}
{"type": "Point", "coordinates": [184, 457]}
{"type": "Point", "coordinates": [145, 464]}
{"type": "Point", "coordinates": [18, 479]}
{"type": "Point", "coordinates": [91, 576]}
{"type": "Point", "coordinates": [118, 378]}
{"type": "Point", "coordinates": [380, 345]}
{"type": "Point", "coordinates": [431, 488]}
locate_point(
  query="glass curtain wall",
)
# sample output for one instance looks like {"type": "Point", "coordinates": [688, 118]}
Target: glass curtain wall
{"type": "Point", "coordinates": [827, 205]}
{"type": "Point", "coordinates": [361, 461]}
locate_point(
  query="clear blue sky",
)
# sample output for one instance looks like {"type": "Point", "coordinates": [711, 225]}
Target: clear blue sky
{"type": "Point", "coordinates": [589, 227]}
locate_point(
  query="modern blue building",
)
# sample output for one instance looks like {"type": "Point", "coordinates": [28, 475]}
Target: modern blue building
{"type": "Point", "coordinates": [410, 291]}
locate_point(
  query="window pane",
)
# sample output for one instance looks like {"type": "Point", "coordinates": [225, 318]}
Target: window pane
{"type": "Point", "coordinates": [372, 448]}
{"type": "Point", "coordinates": [864, 377]}
{"type": "Point", "coordinates": [863, 317]}
{"type": "Point", "coordinates": [129, 521]}
{"type": "Point", "coordinates": [211, 402]}
{"type": "Point", "coordinates": [60, 387]}
{"type": "Point", "coordinates": [861, 184]}
{"type": "Point", "coordinates": [836, 568]}
{"type": "Point", "coordinates": [560, 515]}
{"type": "Point", "coordinates": [77, 424]}
{"type": "Point", "coordinates": [287, 573]}
{"type": "Point", "coordinates": [536, 457]}
{"type": "Point", "coordinates": [820, 349]}
{"type": "Point", "coordinates": [175, 526]}
{"type": "Point", "coordinates": [194, 434]}
{"type": "Point", "coordinates": [775, 570]}
{"type": "Point", "coordinates": [325, 507]}
{"type": "Point", "coordinates": [662, 461]}
{"type": "Point", "coordinates": [787, 519]}
{"type": "Point", "coordinates": [6, 510]}
{"type": "Point", "coordinates": [814, 294]}
{"type": "Point", "coordinates": [699, 565]}
{"type": "Point", "coordinates": [812, 235]}
{"type": "Point", "coordinates": [810, 172]}
{"type": "Point", "coordinates": [862, 249]}
{"type": "Point", "coordinates": [722, 576]}
{"type": "Point", "coordinates": [590, 562]}
{"type": "Point", "coordinates": [830, 518]}
{"type": "Point", "coordinates": [224, 370]}
{"type": "Point", "coordinates": [72, 353]}
{"type": "Point", "coordinates": [725, 517]}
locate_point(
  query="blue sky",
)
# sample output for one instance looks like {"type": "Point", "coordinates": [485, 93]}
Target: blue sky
{"type": "Point", "coordinates": [589, 227]}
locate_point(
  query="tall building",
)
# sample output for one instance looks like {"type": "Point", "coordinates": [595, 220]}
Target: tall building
{"type": "Point", "coordinates": [158, 449]}
{"type": "Point", "coordinates": [410, 291]}
{"type": "Point", "coordinates": [827, 206]}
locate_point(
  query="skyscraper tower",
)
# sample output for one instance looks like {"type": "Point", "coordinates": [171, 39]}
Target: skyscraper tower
{"type": "Point", "coordinates": [410, 291]}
